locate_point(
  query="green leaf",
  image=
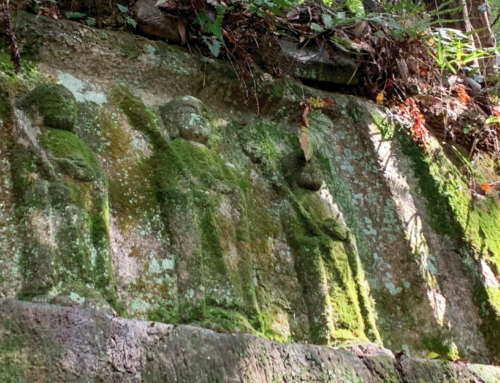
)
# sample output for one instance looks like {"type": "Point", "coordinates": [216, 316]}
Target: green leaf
{"type": "Point", "coordinates": [317, 27]}
{"type": "Point", "coordinates": [327, 20]}
{"type": "Point", "coordinates": [432, 355]}
{"type": "Point", "coordinates": [131, 22]}
{"type": "Point", "coordinates": [475, 31]}
{"type": "Point", "coordinates": [74, 15]}
{"type": "Point", "coordinates": [90, 21]}
{"type": "Point", "coordinates": [216, 27]}
{"type": "Point", "coordinates": [214, 46]}
{"type": "Point", "coordinates": [491, 120]}
{"type": "Point", "coordinates": [342, 43]}
{"type": "Point", "coordinates": [122, 8]}
{"type": "Point", "coordinates": [277, 11]}
{"type": "Point", "coordinates": [201, 18]}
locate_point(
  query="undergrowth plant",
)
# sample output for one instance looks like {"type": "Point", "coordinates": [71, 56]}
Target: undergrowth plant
{"type": "Point", "coordinates": [453, 50]}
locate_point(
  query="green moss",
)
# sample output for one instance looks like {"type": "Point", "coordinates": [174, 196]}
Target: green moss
{"type": "Point", "coordinates": [260, 142]}
{"type": "Point", "coordinates": [72, 263]}
{"type": "Point", "coordinates": [271, 327]}
{"type": "Point", "coordinates": [452, 210]}
{"type": "Point", "coordinates": [132, 191]}
{"type": "Point", "coordinates": [139, 117]}
{"type": "Point", "coordinates": [118, 306]}
{"type": "Point", "coordinates": [29, 61]}
{"type": "Point", "coordinates": [5, 104]}
{"type": "Point", "coordinates": [187, 160]}
{"type": "Point", "coordinates": [210, 235]}
{"type": "Point", "coordinates": [324, 249]}
{"type": "Point", "coordinates": [167, 314]}
{"type": "Point", "coordinates": [81, 256]}
{"type": "Point", "coordinates": [488, 301]}
{"type": "Point", "coordinates": [445, 350]}
{"type": "Point", "coordinates": [23, 162]}
{"type": "Point", "coordinates": [277, 90]}
{"type": "Point", "coordinates": [64, 144]}
{"type": "Point", "coordinates": [115, 142]}
{"type": "Point", "coordinates": [99, 233]}
{"type": "Point", "coordinates": [471, 223]}
{"type": "Point", "coordinates": [221, 320]}
{"type": "Point", "coordinates": [312, 276]}
{"type": "Point", "coordinates": [14, 362]}
{"type": "Point", "coordinates": [442, 216]}
{"type": "Point", "coordinates": [56, 104]}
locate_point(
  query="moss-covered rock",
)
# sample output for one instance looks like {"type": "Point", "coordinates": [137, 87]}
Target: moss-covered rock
{"type": "Point", "coordinates": [224, 224]}
{"type": "Point", "coordinates": [302, 173]}
{"type": "Point", "coordinates": [54, 104]}
{"type": "Point", "coordinates": [186, 117]}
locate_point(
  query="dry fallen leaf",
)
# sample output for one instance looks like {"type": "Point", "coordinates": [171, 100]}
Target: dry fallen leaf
{"type": "Point", "coordinates": [182, 31]}
{"type": "Point", "coordinates": [304, 144]}
{"type": "Point", "coordinates": [359, 28]}
{"type": "Point", "coordinates": [403, 70]}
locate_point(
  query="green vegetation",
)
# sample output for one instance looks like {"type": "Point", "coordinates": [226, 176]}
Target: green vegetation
{"type": "Point", "coordinates": [65, 144]}
{"type": "Point", "coordinates": [473, 224]}
{"type": "Point", "coordinates": [442, 349]}
{"type": "Point", "coordinates": [56, 104]}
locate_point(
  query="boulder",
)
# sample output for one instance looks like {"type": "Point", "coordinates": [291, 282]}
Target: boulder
{"type": "Point", "coordinates": [154, 23]}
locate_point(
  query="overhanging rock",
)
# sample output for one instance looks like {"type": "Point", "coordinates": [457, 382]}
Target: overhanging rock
{"type": "Point", "coordinates": [312, 62]}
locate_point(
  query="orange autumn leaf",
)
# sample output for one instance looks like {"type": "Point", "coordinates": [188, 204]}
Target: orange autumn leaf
{"type": "Point", "coordinates": [328, 101]}
{"type": "Point", "coordinates": [419, 131]}
{"type": "Point", "coordinates": [380, 97]}
{"type": "Point", "coordinates": [463, 96]}
{"type": "Point", "coordinates": [486, 186]}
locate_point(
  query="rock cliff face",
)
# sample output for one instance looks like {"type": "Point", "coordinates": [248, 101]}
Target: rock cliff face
{"type": "Point", "coordinates": [136, 178]}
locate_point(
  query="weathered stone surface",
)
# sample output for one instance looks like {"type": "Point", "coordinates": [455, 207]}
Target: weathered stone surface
{"type": "Point", "coordinates": [42, 342]}
{"type": "Point", "coordinates": [304, 174]}
{"type": "Point", "coordinates": [155, 23]}
{"type": "Point", "coordinates": [314, 63]}
{"type": "Point", "coordinates": [53, 106]}
{"type": "Point", "coordinates": [391, 249]}
{"type": "Point", "coordinates": [184, 117]}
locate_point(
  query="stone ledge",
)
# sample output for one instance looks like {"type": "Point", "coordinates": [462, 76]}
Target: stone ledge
{"type": "Point", "coordinates": [43, 342]}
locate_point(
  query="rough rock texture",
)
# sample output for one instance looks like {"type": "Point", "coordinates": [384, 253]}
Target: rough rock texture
{"type": "Point", "coordinates": [42, 342]}
{"type": "Point", "coordinates": [155, 23]}
{"type": "Point", "coordinates": [207, 214]}
{"type": "Point", "coordinates": [314, 63]}
{"type": "Point", "coordinates": [184, 117]}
